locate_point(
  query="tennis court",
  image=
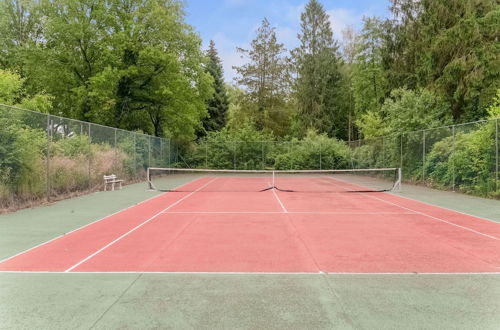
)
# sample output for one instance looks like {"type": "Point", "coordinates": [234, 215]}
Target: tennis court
{"type": "Point", "coordinates": [265, 222]}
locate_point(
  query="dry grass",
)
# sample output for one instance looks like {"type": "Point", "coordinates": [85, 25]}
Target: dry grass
{"type": "Point", "coordinates": [69, 178]}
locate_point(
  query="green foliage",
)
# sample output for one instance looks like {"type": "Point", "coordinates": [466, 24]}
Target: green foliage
{"type": "Point", "coordinates": [317, 62]}
{"type": "Point", "coordinates": [368, 78]}
{"type": "Point", "coordinates": [468, 159]}
{"type": "Point", "coordinates": [266, 78]}
{"type": "Point", "coordinates": [10, 86]}
{"type": "Point", "coordinates": [136, 64]}
{"type": "Point", "coordinates": [494, 109]}
{"type": "Point", "coordinates": [227, 149]}
{"type": "Point", "coordinates": [12, 92]}
{"type": "Point", "coordinates": [405, 111]}
{"type": "Point", "coordinates": [73, 147]}
{"type": "Point", "coordinates": [372, 125]}
{"type": "Point", "coordinates": [315, 151]}
{"type": "Point", "coordinates": [218, 104]}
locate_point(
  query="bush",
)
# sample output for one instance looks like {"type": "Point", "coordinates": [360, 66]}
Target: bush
{"type": "Point", "coordinates": [470, 161]}
{"type": "Point", "coordinates": [315, 151]}
{"type": "Point", "coordinates": [244, 148]}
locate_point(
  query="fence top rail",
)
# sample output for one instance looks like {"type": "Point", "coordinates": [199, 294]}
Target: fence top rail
{"type": "Point", "coordinates": [49, 115]}
{"type": "Point", "coordinates": [425, 130]}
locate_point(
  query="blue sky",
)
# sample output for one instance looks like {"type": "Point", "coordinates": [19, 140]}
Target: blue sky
{"type": "Point", "coordinates": [232, 23]}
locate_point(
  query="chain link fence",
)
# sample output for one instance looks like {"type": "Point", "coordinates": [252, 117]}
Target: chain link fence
{"type": "Point", "coordinates": [50, 157]}
{"type": "Point", "coordinates": [460, 157]}
{"type": "Point", "coordinates": [47, 157]}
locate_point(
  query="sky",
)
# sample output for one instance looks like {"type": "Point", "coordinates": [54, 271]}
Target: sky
{"type": "Point", "coordinates": [233, 23]}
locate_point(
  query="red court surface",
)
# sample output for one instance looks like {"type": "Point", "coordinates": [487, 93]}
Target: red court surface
{"type": "Point", "coordinates": [272, 232]}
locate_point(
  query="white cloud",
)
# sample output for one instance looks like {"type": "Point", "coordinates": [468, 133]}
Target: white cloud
{"type": "Point", "coordinates": [341, 18]}
{"type": "Point", "coordinates": [292, 13]}
{"type": "Point", "coordinates": [287, 36]}
{"type": "Point", "coordinates": [228, 54]}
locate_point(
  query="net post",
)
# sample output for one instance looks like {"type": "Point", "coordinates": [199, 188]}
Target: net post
{"type": "Point", "coordinates": [397, 184]}
{"type": "Point", "coordinates": [273, 185]}
{"type": "Point", "coordinates": [151, 187]}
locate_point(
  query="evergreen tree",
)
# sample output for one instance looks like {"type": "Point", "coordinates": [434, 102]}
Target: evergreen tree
{"type": "Point", "coordinates": [218, 104]}
{"type": "Point", "coordinates": [319, 79]}
{"type": "Point", "coordinates": [265, 78]}
{"type": "Point", "coordinates": [369, 82]}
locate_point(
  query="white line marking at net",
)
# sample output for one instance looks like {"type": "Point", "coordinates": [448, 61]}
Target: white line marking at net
{"type": "Point", "coordinates": [136, 227]}
{"type": "Point", "coordinates": [279, 201]}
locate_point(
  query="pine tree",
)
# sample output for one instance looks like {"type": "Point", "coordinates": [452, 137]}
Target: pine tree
{"type": "Point", "coordinates": [218, 104]}
{"type": "Point", "coordinates": [266, 78]}
{"type": "Point", "coordinates": [319, 78]}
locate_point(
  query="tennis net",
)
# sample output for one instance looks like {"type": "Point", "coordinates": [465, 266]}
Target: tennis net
{"type": "Point", "coordinates": [205, 180]}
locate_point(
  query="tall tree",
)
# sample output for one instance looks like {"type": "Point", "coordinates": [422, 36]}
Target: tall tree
{"type": "Point", "coordinates": [459, 53]}
{"type": "Point", "coordinates": [218, 104]}
{"type": "Point", "coordinates": [265, 77]}
{"type": "Point", "coordinates": [319, 78]}
{"type": "Point", "coordinates": [20, 30]}
{"type": "Point", "coordinates": [350, 46]}
{"type": "Point", "coordinates": [132, 64]}
{"type": "Point", "coordinates": [369, 81]}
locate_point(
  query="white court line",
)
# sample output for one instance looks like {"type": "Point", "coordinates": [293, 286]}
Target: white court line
{"type": "Point", "coordinates": [137, 227]}
{"type": "Point", "coordinates": [426, 215]}
{"type": "Point", "coordinates": [279, 200]}
{"type": "Point", "coordinates": [247, 273]}
{"type": "Point", "coordinates": [82, 227]}
{"type": "Point", "coordinates": [289, 212]}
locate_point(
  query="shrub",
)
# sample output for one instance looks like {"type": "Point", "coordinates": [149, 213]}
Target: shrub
{"type": "Point", "coordinates": [315, 151]}
{"type": "Point", "coordinates": [469, 161]}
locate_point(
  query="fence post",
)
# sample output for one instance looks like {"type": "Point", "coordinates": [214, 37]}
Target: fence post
{"type": "Point", "coordinates": [169, 152]}
{"type": "Point", "coordinates": [453, 157]}
{"type": "Point", "coordinates": [90, 158]}
{"type": "Point", "coordinates": [383, 153]}
{"type": "Point", "coordinates": [206, 154]}
{"type": "Point", "coordinates": [49, 140]}
{"type": "Point", "coordinates": [135, 155]}
{"type": "Point", "coordinates": [234, 155]}
{"type": "Point", "coordinates": [401, 151]}
{"type": "Point", "coordinates": [262, 154]}
{"type": "Point", "coordinates": [115, 160]}
{"type": "Point", "coordinates": [496, 146]}
{"type": "Point", "coordinates": [149, 150]}
{"type": "Point", "coordinates": [161, 153]}
{"type": "Point", "coordinates": [320, 157]}
{"type": "Point", "coordinates": [423, 157]}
